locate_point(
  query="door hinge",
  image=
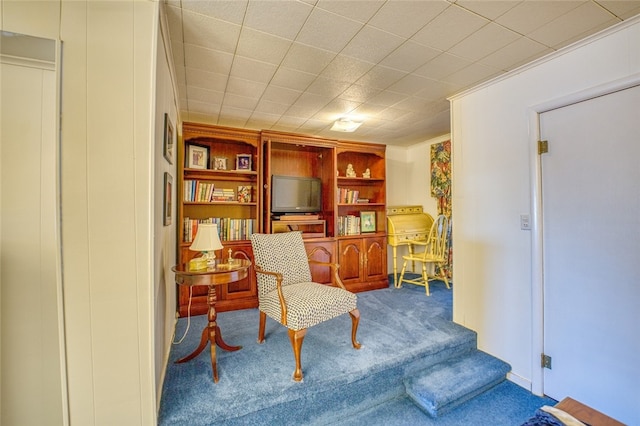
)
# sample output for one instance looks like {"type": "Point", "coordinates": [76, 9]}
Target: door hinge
{"type": "Point", "coordinates": [543, 147]}
{"type": "Point", "coordinates": [545, 361]}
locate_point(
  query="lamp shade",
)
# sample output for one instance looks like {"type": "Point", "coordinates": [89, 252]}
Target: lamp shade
{"type": "Point", "coordinates": [207, 238]}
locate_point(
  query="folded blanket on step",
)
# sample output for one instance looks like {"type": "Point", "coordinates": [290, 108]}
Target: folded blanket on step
{"type": "Point", "coordinates": [551, 416]}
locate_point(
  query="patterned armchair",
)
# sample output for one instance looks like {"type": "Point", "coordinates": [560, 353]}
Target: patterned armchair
{"type": "Point", "coordinates": [287, 294]}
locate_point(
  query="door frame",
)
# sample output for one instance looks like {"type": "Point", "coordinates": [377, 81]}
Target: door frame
{"type": "Point", "coordinates": [537, 277]}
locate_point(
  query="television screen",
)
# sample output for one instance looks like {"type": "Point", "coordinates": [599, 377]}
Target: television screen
{"type": "Point", "coordinates": [290, 194]}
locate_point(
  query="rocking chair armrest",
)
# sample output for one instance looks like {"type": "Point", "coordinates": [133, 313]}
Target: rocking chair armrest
{"type": "Point", "coordinates": [334, 268]}
{"type": "Point", "coordinates": [279, 278]}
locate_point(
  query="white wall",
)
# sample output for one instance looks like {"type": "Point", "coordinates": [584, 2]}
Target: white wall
{"type": "Point", "coordinates": [32, 350]}
{"type": "Point", "coordinates": [107, 147]}
{"type": "Point", "coordinates": [492, 187]}
{"type": "Point", "coordinates": [164, 236]}
{"type": "Point", "coordinates": [409, 182]}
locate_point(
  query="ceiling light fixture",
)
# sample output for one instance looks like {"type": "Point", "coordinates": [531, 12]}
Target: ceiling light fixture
{"type": "Point", "coordinates": [345, 124]}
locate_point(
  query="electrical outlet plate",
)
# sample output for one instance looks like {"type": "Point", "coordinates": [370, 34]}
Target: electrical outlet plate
{"type": "Point", "coordinates": [525, 222]}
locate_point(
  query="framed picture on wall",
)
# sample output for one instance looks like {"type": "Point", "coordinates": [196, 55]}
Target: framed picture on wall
{"type": "Point", "coordinates": [197, 156]}
{"type": "Point", "coordinates": [168, 139]}
{"type": "Point", "coordinates": [367, 222]}
{"type": "Point", "coordinates": [168, 205]}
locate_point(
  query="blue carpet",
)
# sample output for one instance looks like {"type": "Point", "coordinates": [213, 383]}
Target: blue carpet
{"type": "Point", "coordinates": [402, 331]}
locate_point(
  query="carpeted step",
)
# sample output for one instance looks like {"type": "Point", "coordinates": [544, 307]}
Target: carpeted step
{"type": "Point", "coordinates": [444, 386]}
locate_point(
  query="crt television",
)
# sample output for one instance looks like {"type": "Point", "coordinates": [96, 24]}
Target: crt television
{"type": "Point", "coordinates": [293, 194]}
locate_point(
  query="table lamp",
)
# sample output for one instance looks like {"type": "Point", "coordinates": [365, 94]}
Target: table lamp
{"type": "Point", "coordinates": [207, 241]}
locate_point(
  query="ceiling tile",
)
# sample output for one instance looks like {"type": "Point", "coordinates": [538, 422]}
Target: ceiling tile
{"type": "Point", "coordinates": [449, 28]}
{"type": "Point", "coordinates": [281, 18]}
{"type": "Point", "coordinates": [622, 9]}
{"type": "Point", "coordinates": [489, 9]}
{"type": "Point", "coordinates": [272, 108]}
{"type": "Point", "coordinates": [344, 68]}
{"type": "Point", "coordinates": [359, 93]}
{"type": "Point", "coordinates": [441, 66]}
{"type": "Point", "coordinates": [409, 56]}
{"type": "Point", "coordinates": [372, 44]}
{"type": "Point", "coordinates": [294, 79]}
{"type": "Point", "coordinates": [198, 94]}
{"type": "Point", "coordinates": [281, 95]}
{"type": "Point", "coordinates": [308, 104]}
{"type": "Point", "coordinates": [486, 40]}
{"type": "Point", "coordinates": [528, 16]}
{"type": "Point", "coordinates": [328, 31]}
{"type": "Point", "coordinates": [237, 101]}
{"type": "Point", "coordinates": [211, 33]}
{"type": "Point", "coordinates": [574, 24]}
{"type": "Point", "coordinates": [473, 74]}
{"type": "Point", "coordinates": [249, 69]}
{"type": "Point", "coordinates": [408, 84]}
{"type": "Point", "coordinates": [242, 87]}
{"type": "Point", "coordinates": [207, 80]}
{"type": "Point", "coordinates": [206, 59]}
{"type": "Point", "coordinates": [226, 10]}
{"type": "Point", "coordinates": [357, 10]}
{"type": "Point", "coordinates": [261, 46]}
{"type": "Point", "coordinates": [515, 54]}
{"type": "Point", "coordinates": [381, 77]}
{"type": "Point", "coordinates": [306, 58]}
{"type": "Point", "coordinates": [405, 17]}
{"type": "Point", "coordinates": [327, 87]}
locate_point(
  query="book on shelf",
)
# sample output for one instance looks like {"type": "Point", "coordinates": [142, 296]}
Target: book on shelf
{"type": "Point", "coordinates": [223, 194]}
{"type": "Point", "coordinates": [229, 229]}
{"type": "Point", "coordinates": [349, 225]}
{"type": "Point", "coordinates": [348, 196]}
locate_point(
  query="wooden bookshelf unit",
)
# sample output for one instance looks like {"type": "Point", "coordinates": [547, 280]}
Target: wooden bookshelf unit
{"type": "Point", "coordinates": [233, 188]}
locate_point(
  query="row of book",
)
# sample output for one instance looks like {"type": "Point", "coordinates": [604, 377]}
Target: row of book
{"type": "Point", "coordinates": [350, 196]}
{"type": "Point", "coordinates": [349, 225]}
{"type": "Point", "coordinates": [198, 191]}
{"type": "Point", "coordinates": [230, 229]}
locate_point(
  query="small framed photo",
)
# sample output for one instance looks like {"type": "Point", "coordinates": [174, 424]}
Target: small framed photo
{"type": "Point", "coordinates": [197, 157]}
{"type": "Point", "coordinates": [367, 222]}
{"type": "Point", "coordinates": [168, 205]}
{"type": "Point", "coordinates": [219, 163]}
{"type": "Point", "coordinates": [243, 162]}
{"type": "Point", "coordinates": [168, 139]}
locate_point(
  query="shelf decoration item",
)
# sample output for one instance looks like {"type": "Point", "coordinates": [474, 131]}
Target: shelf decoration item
{"type": "Point", "coordinates": [219, 163]}
{"type": "Point", "coordinates": [168, 139]}
{"type": "Point", "coordinates": [350, 171]}
{"type": "Point", "coordinates": [368, 221]}
{"type": "Point", "coordinates": [168, 189]}
{"type": "Point", "coordinates": [207, 241]}
{"type": "Point", "coordinates": [244, 194]}
{"type": "Point", "coordinates": [197, 156]}
{"type": "Point", "coordinates": [243, 162]}
{"type": "Point", "coordinates": [366, 174]}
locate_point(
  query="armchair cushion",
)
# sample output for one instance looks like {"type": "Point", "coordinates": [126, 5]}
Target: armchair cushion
{"type": "Point", "coordinates": [308, 304]}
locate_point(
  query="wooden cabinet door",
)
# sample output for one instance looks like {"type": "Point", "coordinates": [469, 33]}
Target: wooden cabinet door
{"type": "Point", "coordinates": [375, 259]}
{"type": "Point", "coordinates": [350, 258]}
{"type": "Point", "coordinates": [322, 251]}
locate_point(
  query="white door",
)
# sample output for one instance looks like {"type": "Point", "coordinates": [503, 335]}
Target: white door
{"type": "Point", "coordinates": [591, 244]}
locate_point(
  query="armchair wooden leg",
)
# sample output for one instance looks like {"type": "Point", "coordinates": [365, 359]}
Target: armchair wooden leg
{"type": "Point", "coordinates": [263, 321]}
{"type": "Point", "coordinates": [296, 337]}
{"type": "Point", "coordinates": [355, 320]}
